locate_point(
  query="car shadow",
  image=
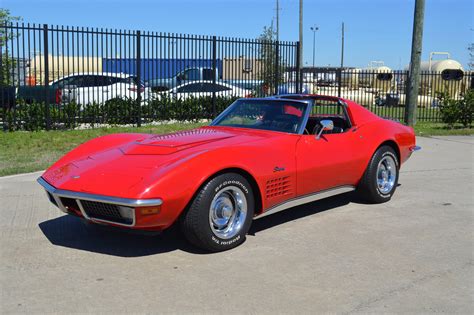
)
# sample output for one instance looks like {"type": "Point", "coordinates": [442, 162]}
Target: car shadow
{"type": "Point", "coordinates": [72, 232]}
{"type": "Point", "coordinates": [295, 213]}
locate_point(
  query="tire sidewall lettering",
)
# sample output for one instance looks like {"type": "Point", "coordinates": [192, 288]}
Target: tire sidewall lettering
{"type": "Point", "coordinates": [231, 182]}
{"type": "Point", "coordinates": [237, 238]}
{"type": "Point", "coordinates": [222, 242]}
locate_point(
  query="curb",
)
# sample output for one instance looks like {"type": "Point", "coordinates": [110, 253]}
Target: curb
{"type": "Point", "coordinates": [22, 174]}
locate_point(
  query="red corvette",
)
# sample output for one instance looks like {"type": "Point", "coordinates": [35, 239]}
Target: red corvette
{"type": "Point", "coordinates": [258, 156]}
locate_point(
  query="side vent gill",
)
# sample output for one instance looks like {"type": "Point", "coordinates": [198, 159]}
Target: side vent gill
{"type": "Point", "coordinates": [278, 187]}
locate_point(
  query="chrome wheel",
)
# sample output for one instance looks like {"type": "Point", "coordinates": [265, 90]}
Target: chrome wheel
{"type": "Point", "coordinates": [386, 174]}
{"type": "Point", "coordinates": [228, 212]}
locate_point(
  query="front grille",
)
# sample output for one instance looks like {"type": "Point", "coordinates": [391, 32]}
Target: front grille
{"type": "Point", "coordinates": [70, 205]}
{"type": "Point", "coordinates": [104, 211]}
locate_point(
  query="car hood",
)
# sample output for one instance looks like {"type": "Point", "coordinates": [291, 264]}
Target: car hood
{"type": "Point", "coordinates": [175, 142]}
{"type": "Point", "coordinates": [120, 171]}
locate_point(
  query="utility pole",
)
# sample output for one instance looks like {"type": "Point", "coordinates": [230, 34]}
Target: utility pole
{"type": "Point", "coordinates": [278, 20]}
{"type": "Point", "coordinates": [342, 46]}
{"type": "Point", "coordinates": [300, 88]}
{"type": "Point", "coordinates": [414, 72]}
{"type": "Point", "coordinates": [339, 85]}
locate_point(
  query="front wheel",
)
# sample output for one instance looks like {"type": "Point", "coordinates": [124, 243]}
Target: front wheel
{"type": "Point", "coordinates": [220, 214]}
{"type": "Point", "coordinates": [381, 176]}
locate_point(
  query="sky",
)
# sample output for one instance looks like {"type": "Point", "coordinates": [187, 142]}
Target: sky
{"type": "Point", "coordinates": [375, 30]}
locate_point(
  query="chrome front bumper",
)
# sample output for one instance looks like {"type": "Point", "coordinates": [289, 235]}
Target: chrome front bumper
{"type": "Point", "coordinates": [56, 197]}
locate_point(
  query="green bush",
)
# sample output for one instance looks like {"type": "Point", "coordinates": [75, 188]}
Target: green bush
{"type": "Point", "coordinates": [467, 109]}
{"type": "Point", "coordinates": [448, 109]}
{"type": "Point", "coordinates": [457, 111]}
{"type": "Point", "coordinates": [25, 116]}
{"type": "Point", "coordinates": [118, 111]}
{"type": "Point", "coordinates": [92, 114]}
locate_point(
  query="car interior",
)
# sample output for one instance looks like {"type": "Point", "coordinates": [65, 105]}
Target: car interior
{"type": "Point", "coordinates": [313, 125]}
{"type": "Point", "coordinates": [327, 110]}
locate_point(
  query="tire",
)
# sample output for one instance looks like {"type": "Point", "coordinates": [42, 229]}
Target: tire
{"type": "Point", "coordinates": [220, 214]}
{"type": "Point", "coordinates": [380, 179]}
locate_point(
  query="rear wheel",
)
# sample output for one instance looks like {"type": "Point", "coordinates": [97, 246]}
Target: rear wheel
{"type": "Point", "coordinates": [220, 215]}
{"type": "Point", "coordinates": [381, 176]}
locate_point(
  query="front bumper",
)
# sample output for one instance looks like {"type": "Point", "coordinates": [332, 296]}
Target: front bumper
{"type": "Point", "coordinates": [97, 208]}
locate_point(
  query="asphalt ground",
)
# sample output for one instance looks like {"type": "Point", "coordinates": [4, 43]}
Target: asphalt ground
{"type": "Point", "coordinates": [413, 254]}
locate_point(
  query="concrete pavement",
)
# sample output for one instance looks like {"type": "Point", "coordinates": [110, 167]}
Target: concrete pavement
{"type": "Point", "coordinates": [413, 254]}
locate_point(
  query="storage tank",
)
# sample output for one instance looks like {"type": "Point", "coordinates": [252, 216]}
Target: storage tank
{"type": "Point", "coordinates": [350, 78]}
{"type": "Point", "coordinates": [377, 77]}
{"type": "Point", "coordinates": [445, 75]}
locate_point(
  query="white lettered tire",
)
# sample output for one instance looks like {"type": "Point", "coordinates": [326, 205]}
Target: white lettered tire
{"type": "Point", "coordinates": [220, 214]}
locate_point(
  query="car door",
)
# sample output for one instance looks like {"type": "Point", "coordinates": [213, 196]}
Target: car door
{"type": "Point", "coordinates": [86, 91]}
{"type": "Point", "coordinates": [72, 89]}
{"type": "Point", "coordinates": [101, 86]}
{"type": "Point", "coordinates": [330, 161]}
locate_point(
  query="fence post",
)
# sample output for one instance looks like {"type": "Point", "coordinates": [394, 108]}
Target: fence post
{"type": "Point", "coordinates": [298, 69]}
{"type": "Point", "coordinates": [339, 82]}
{"type": "Point", "coordinates": [3, 86]}
{"type": "Point", "coordinates": [46, 77]}
{"type": "Point", "coordinates": [214, 74]}
{"type": "Point", "coordinates": [139, 80]}
{"type": "Point", "coordinates": [277, 66]}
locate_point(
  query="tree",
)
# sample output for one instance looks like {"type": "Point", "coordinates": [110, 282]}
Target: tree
{"type": "Point", "coordinates": [7, 63]}
{"type": "Point", "coordinates": [270, 74]}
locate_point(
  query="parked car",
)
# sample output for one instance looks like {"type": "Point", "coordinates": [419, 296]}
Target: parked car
{"type": "Point", "coordinates": [257, 157]}
{"type": "Point", "coordinates": [195, 74]}
{"type": "Point", "coordinates": [207, 88]}
{"type": "Point", "coordinates": [186, 76]}
{"type": "Point", "coordinates": [98, 87]}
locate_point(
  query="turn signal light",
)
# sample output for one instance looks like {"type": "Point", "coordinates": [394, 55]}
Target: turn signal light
{"type": "Point", "coordinates": [150, 210]}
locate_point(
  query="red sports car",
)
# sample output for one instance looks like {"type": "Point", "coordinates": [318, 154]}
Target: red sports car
{"type": "Point", "coordinates": [258, 156]}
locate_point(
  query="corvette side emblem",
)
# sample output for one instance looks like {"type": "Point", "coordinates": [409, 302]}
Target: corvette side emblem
{"type": "Point", "coordinates": [278, 169]}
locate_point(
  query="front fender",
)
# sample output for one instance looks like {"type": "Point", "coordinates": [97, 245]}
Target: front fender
{"type": "Point", "coordinates": [177, 182]}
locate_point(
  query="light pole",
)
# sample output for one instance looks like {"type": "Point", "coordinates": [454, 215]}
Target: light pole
{"type": "Point", "coordinates": [300, 52]}
{"type": "Point", "coordinates": [314, 29]}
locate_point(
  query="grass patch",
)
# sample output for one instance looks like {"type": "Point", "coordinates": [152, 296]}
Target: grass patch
{"type": "Point", "coordinates": [23, 152]}
{"type": "Point", "coordinates": [423, 128]}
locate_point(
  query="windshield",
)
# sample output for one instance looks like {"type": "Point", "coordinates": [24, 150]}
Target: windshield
{"type": "Point", "coordinates": [276, 115]}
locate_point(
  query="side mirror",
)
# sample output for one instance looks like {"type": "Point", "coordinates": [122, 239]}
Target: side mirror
{"type": "Point", "coordinates": [326, 125]}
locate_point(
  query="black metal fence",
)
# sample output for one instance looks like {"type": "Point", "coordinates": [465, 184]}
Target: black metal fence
{"type": "Point", "coordinates": [55, 77]}
{"type": "Point", "coordinates": [62, 77]}
{"type": "Point", "coordinates": [383, 91]}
